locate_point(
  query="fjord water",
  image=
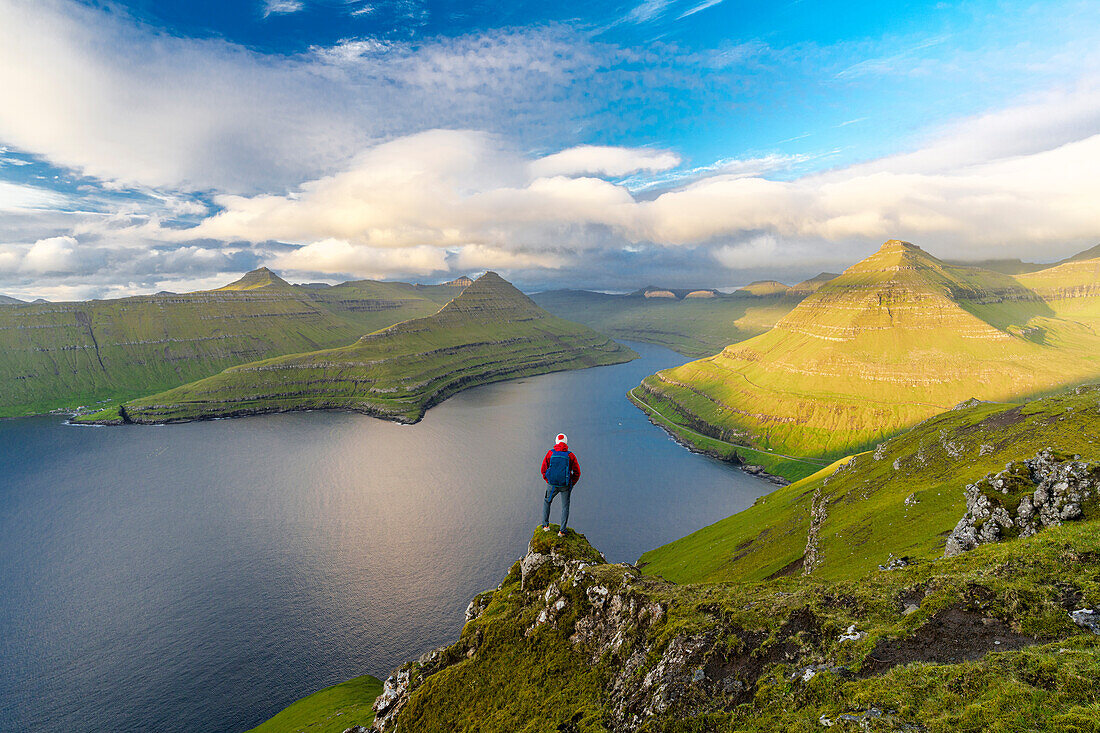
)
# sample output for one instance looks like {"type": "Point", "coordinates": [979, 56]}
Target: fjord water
{"type": "Point", "coordinates": [202, 576]}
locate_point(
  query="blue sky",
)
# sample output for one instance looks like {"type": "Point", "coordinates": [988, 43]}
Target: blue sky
{"type": "Point", "coordinates": [151, 145]}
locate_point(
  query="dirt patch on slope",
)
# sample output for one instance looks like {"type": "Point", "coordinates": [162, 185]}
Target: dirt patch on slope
{"type": "Point", "coordinates": [1002, 419]}
{"type": "Point", "coordinates": [791, 568]}
{"type": "Point", "coordinates": [951, 636]}
{"type": "Point", "coordinates": [735, 673]}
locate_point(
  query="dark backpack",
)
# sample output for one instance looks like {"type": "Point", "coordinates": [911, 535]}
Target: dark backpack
{"type": "Point", "coordinates": [558, 471]}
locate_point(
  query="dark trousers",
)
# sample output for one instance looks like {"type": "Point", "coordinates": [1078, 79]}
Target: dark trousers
{"type": "Point", "coordinates": [551, 491]}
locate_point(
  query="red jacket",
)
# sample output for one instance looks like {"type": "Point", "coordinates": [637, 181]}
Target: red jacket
{"type": "Point", "coordinates": [574, 467]}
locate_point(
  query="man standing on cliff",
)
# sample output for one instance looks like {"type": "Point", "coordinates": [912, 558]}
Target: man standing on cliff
{"type": "Point", "coordinates": [561, 472]}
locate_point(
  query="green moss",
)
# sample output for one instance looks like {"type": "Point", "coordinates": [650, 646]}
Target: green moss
{"type": "Point", "coordinates": [506, 675]}
{"type": "Point", "coordinates": [331, 710]}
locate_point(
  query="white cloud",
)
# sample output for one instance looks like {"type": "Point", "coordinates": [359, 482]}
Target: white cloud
{"type": "Point", "coordinates": [18, 196]}
{"type": "Point", "coordinates": [698, 8]}
{"type": "Point", "coordinates": [338, 256]}
{"type": "Point", "coordinates": [325, 162]}
{"type": "Point", "coordinates": [281, 7]}
{"type": "Point", "coordinates": [51, 255]}
{"type": "Point", "coordinates": [115, 100]}
{"type": "Point", "coordinates": [1039, 123]}
{"type": "Point", "coordinates": [647, 10]}
{"type": "Point", "coordinates": [473, 196]}
{"type": "Point", "coordinates": [603, 160]}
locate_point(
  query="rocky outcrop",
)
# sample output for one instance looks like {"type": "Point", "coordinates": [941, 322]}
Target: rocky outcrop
{"type": "Point", "coordinates": [571, 643]}
{"type": "Point", "coordinates": [1025, 497]}
{"type": "Point", "coordinates": [819, 512]}
{"type": "Point", "coordinates": [613, 617]}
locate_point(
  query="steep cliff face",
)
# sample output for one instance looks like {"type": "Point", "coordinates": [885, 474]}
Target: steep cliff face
{"type": "Point", "coordinates": [568, 642]}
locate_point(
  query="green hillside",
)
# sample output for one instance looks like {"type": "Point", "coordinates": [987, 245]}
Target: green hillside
{"type": "Point", "coordinates": [331, 710]}
{"type": "Point", "coordinates": [63, 355]}
{"type": "Point", "coordinates": [895, 339]}
{"type": "Point", "coordinates": [1071, 288]}
{"type": "Point", "coordinates": [898, 500]}
{"type": "Point", "coordinates": [488, 333]}
{"type": "Point", "coordinates": [693, 322]}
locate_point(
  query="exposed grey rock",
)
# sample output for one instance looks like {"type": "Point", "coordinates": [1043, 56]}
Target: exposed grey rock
{"type": "Point", "coordinates": [477, 606]}
{"type": "Point", "coordinates": [1054, 487]}
{"type": "Point", "coordinates": [530, 564]}
{"type": "Point", "coordinates": [1087, 618]}
{"type": "Point", "coordinates": [819, 511]}
{"type": "Point", "coordinates": [895, 563]}
{"type": "Point", "coordinates": [851, 634]}
{"type": "Point", "coordinates": [395, 693]}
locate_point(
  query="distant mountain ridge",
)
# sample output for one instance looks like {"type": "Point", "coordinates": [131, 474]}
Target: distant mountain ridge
{"type": "Point", "coordinates": [489, 332]}
{"type": "Point", "coordinates": [69, 354]}
{"type": "Point", "coordinates": [896, 338]}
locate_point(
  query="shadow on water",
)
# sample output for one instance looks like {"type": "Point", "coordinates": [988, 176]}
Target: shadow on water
{"type": "Point", "coordinates": [210, 573]}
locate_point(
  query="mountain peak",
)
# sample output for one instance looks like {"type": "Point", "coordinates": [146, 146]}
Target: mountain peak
{"type": "Point", "coordinates": [903, 289]}
{"type": "Point", "coordinates": [492, 297]}
{"type": "Point", "coordinates": [896, 255]}
{"type": "Point", "coordinates": [898, 245]}
{"type": "Point", "coordinates": [261, 277]}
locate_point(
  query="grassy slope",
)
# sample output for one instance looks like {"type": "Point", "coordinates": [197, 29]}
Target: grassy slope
{"type": "Point", "coordinates": [331, 710]}
{"type": "Point", "coordinates": [505, 676]}
{"type": "Point", "coordinates": [776, 464]}
{"type": "Point", "coordinates": [693, 326]}
{"type": "Point", "coordinates": [488, 333]}
{"type": "Point", "coordinates": [868, 517]}
{"type": "Point", "coordinates": [897, 338]}
{"type": "Point", "coordinates": [62, 355]}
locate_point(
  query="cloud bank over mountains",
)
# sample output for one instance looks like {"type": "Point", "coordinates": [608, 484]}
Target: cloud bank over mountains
{"type": "Point", "coordinates": [180, 160]}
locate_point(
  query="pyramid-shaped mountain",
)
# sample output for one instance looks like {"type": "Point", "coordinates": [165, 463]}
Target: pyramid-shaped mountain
{"type": "Point", "coordinates": [894, 339]}
{"type": "Point", "coordinates": [258, 278]}
{"type": "Point", "coordinates": [489, 332]}
{"type": "Point", "coordinates": [494, 298]}
{"type": "Point", "coordinates": [902, 287]}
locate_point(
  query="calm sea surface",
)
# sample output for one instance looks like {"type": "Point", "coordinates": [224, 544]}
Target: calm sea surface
{"type": "Point", "coordinates": [200, 577]}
